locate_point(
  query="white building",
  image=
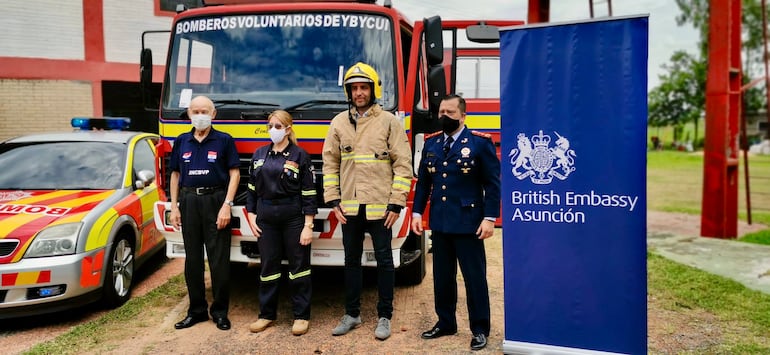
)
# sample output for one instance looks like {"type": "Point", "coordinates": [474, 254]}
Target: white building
{"type": "Point", "coordinates": [65, 58]}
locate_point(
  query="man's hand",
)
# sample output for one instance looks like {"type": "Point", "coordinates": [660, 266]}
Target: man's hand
{"type": "Point", "coordinates": [175, 217]}
{"type": "Point", "coordinates": [223, 217]}
{"type": "Point", "coordinates": [390, 218]}
{"type": "Point", "coordinates": [339, 212]}
{"type": "Point", "coordinates": [417, 225]}
{"type": "Point", "coordinates": [486, 229]}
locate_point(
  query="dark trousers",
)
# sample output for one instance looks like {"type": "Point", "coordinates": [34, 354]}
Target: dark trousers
{"type": "Point", "coordinates": [281, 228]}
{"type": "Point", "coordinates": [353, 241]}
{"type": "Point", "coordinates": [199, 230]}
{"type": "Point", "coordinates": [468, 250]}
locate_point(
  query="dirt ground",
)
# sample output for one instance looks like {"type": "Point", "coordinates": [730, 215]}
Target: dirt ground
{"type": "Point", "coordinates": [669, 332]}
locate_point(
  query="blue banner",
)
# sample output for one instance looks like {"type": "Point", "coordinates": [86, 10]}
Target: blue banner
{"type": "Point", "coordinates": [574, 126]}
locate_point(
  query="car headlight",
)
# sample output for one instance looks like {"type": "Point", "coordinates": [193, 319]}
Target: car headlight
{"type": "Point", "coordinates": [60, 239]}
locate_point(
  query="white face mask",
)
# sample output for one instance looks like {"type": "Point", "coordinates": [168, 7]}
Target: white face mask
{"type": "Point", "coordinates": [201, 122]}
{"type": "Point", "coordinates": [277, 135]}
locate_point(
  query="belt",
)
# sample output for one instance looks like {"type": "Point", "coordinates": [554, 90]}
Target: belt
{"type": "Point", "coordinates": [205, 190]}
{"type": "Point", "coordinates": [279, 201]}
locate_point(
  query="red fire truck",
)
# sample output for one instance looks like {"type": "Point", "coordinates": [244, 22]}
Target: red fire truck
{"type": "Point", "coordinates": [252, 57]}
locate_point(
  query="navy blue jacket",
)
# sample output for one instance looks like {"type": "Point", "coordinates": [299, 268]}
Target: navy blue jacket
{"type": "Point", "coordinates": [463, 185]}
{"type": "Point", "coordinates": [282, 175]}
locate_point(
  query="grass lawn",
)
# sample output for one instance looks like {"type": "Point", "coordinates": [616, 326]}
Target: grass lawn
{"type": "Point", "coordinates": [675, 184]}
{"type": "Point", "coordinates": [741, 316]}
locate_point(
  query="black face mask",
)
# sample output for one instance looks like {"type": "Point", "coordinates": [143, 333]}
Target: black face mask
{"type": "Point", "coordinates": [449, 125]}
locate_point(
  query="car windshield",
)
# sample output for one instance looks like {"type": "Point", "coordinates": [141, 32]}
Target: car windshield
{"type": "Point", "coordinates": [277, 60]}
{"type": "Point", "coordinates": [61, 166]}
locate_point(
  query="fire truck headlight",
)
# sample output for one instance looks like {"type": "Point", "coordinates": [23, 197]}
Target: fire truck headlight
{"type": "Point", "coordinates": [56, 240]}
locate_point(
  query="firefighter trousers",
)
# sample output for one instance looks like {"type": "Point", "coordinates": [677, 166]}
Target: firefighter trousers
{"type": "Point", "coordinates": [353, 233]}
{"type": "Point", "coordinates": [281, 226]}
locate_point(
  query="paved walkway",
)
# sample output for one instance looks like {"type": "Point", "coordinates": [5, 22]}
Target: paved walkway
{"type": "Point", "coordinates": [746, 263]}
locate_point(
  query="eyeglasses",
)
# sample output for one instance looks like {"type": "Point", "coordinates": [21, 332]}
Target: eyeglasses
{"type": "Point", "coordinates": [276, 126]}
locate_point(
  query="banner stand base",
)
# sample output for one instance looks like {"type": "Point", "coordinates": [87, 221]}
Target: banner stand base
{"type": "Point", "coordinates": [522, 348]}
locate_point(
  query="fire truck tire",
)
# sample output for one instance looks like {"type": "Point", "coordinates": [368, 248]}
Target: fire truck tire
{"type": "Point", "coordinates": [414, 272]}
{"type": "Point", "coordinates": [118, 278]}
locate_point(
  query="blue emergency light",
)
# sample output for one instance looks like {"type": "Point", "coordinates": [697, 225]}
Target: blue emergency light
{"type": "Point", "coordinates": [101, 123]}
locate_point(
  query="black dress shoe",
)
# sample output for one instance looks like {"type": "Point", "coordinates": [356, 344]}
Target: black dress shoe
{"type": "Point", "coordinates": [478, 342]}
{"type": "Point", "coordinates": [190, 321]}
{"type": "Point", "coordinates": [222, 323]}
{"type": "Point", "coordinates": [437, 332]}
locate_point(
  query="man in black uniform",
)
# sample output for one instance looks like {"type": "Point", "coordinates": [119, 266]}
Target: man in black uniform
{"type": "Point", "coordinates": [460, 173]}
{"type": "Point", "coordinates": [204, 178]}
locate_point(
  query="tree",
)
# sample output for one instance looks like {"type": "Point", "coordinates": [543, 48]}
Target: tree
{"type": "Point", "coordinates": [681, 92]}
{"type": "Point", "coordinates": [680, 96]}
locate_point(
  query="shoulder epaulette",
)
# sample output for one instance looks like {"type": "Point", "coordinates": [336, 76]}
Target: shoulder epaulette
{"type": "Point", "coordinates": [482, 134]}
{"type": "Point", "coordinates": [431, 135]}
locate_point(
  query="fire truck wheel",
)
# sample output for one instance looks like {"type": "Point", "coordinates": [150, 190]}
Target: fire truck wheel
{"type": "Point", "coordinates": [119, 273]}
{"type": "Point", "coordinates": [413, 254]}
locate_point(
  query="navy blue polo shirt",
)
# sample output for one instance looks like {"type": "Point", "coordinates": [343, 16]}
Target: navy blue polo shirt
{"type": "Point", "coordinates": [206, 163]}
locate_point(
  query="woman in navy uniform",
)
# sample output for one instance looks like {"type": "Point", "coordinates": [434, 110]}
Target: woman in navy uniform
{"type": "Point", "coordinates": [460, 174]}
{"type": "Point", "coordinates": [281, 205]}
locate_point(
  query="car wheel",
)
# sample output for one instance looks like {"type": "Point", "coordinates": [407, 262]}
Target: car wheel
{"type": "Point", "coordinates": [120, 273]}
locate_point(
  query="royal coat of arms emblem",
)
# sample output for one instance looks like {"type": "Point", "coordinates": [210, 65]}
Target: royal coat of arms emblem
{"type": "Point", "coordinates": [536, 159]}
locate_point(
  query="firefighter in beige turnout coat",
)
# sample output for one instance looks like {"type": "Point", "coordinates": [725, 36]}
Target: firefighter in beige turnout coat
{"type": "Point", "coordinates": [367, 167]}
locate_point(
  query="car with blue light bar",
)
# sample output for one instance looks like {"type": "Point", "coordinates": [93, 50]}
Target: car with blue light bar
{"type": "Point", "coordinates": [76, 216]}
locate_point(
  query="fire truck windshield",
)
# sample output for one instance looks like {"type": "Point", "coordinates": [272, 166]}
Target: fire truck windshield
{"type": "Point", "coordinates": [276, 60]}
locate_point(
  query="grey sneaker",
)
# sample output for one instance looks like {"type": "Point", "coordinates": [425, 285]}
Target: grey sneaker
{"type": "Point", "coordinates": [383, 329]}
{"type": "Point", "coordinates": [346, 324]}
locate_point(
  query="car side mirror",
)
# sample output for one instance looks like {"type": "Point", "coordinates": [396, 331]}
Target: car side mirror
{"type": "Point", "coordinates": [144, 179]}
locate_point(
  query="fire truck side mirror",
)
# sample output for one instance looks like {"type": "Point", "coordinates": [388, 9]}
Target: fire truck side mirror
{"type": "Point", "coordinates": [145, 68]}
{"type": "Point", "coordinates": [434, 41]}
{"type": "Point", "coordinates": [145, 75]}
{"type": "Point", "coordinates": [436, 85]}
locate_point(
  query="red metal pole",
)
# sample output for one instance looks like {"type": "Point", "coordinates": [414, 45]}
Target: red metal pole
{"type": "Point", "coordinates": [538, 11]}
{"type": "Point", "coordinates": [736, 107]}
{"type": "Point", "coordinates": [719, 207]}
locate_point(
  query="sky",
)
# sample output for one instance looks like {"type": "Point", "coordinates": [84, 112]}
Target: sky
{"type": "Point", "coordinates": [665, 36]}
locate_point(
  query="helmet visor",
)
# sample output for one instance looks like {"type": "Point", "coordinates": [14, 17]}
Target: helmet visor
{"type": "Point", "coordinates": [358, 79]}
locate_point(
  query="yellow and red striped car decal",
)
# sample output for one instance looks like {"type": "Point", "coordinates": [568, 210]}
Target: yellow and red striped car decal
{"type": "Point", "coordinates": [23, 218]}
{"type": "Point", "coordinates": [25, 278]}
